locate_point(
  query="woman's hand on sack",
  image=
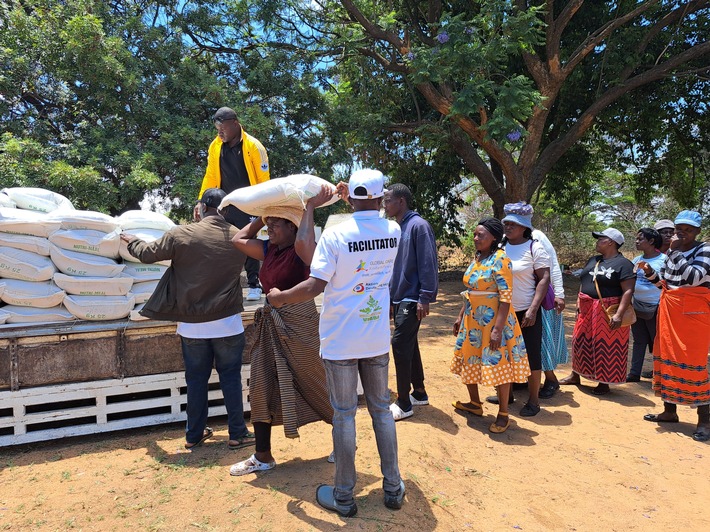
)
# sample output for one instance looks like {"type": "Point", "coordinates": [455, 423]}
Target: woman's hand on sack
{"type": "Point", "coordinates": [274, 298]}
{"type": "Point", "coordinates": [323, 196]}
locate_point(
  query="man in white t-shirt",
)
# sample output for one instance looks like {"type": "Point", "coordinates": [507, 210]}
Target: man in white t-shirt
{"type": "Point", "coordinates": [353, 265]}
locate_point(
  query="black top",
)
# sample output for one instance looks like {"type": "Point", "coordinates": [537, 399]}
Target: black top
{"type": "Point", "coordinates": [233, 175]}
{"type": "Point", "coordinates": [610, 273]}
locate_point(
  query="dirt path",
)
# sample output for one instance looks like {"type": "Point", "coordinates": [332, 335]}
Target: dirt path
{"type": "Point", "coordinates": [584, 463]}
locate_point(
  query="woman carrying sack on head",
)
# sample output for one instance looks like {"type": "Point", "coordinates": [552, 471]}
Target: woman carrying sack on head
{"type": "Point", "coordinates": [600, 343]}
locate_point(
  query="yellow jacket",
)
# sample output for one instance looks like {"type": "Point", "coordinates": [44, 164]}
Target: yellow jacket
{"type": "Point", "coordinates": [255, 159]}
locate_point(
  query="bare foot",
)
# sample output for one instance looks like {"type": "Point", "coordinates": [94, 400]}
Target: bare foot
{"type": "Point", "coordinates": [570, 379]}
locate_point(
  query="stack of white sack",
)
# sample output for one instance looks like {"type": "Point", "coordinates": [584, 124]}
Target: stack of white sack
{"type": "Point", "coordinates": [284, 197]}
{"type": "Point", "coordinates": [85, 251]}
{"type": "Point", "coordinates": [148, 226]}
{"type": "Point", "coordinates": [36, 199]}
{"type": "Point", "coordinates": [25, 267]}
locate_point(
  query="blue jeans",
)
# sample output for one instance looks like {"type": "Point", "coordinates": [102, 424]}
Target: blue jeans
{"type": "Point", "coordinates": [342, 388]}
{"type": "Point", "coordinates": [199, 355]}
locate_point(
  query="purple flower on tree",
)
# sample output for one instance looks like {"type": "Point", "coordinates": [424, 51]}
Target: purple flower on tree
{"type": "Point", "coordinates": [514, 136]}
{"type": "Point", "coordinates": [410, 56]}
{"type": "Point", "coordinates": [468, 30]}
{"type": "Point", "coordinates": [443, 37]}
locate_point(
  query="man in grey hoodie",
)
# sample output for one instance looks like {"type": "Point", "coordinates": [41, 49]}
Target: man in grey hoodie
{"type": "Point", "coordinates": [414, 285]}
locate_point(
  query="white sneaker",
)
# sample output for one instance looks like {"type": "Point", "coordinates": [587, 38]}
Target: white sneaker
{"type": "Point", "coordinates": [398, 413]}
{"type": "Point", "coordinates": [254, 294]}
{"type": "Point", "coordinates": [417, 402]}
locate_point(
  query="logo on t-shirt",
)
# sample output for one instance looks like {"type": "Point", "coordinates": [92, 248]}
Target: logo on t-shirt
{"type": "Point", "coordinates": [372, 311]}
{"type": "Point", "coordinates": [264, 167]}
{"type": "Point", "coordinates": [361, 267]}
{"type": "Point", "coordinates": [359, 288]}
{"type": "Point", "coordinates": [606, 272]}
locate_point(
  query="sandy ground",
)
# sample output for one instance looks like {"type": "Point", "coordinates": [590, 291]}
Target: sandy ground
{"type": "Point", "coordinates": [584, 463]}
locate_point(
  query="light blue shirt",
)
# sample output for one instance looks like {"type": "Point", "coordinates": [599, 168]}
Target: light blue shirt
{"type": "Point", "coordinates": [645, 291]}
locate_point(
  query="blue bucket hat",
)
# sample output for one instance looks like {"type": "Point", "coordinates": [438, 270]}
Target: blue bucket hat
{"type": "Point", "coordinates": [520, 213]}
{"type": "Point", "coordinates": [688, 218]}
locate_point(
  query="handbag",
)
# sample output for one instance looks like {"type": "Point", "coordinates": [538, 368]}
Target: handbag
{"type": "Point", "coordinates": [629, 316]}
{"type": "Point", "coordinates": [548, 302]}
{"type": "Point", "coordinates": [644, 311]}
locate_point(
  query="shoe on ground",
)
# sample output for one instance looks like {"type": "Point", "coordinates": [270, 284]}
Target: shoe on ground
{"type": "Point", "coordinates": [647, 374]}
{"type": "Point", "coordinates": [325, 495]}
{"type": "Point", "coordinates": [529, 410]}
{"type": "Point", "coordinates": [633, 378]}
{"type": "Point", "coordinates": [493, 399]}
{"type": "Point", "coordinates": [394, 500]}
{"type": "Point", "coordinates": [399, 414]}
{"type": "Point", "coordinates": [250, 465]}
{"type": "Point", "coordinates": [418, 402]}
{"type": "Point", "coordinates": [254, 294]}
{"type": "Point", "coordinates": [548, 390]}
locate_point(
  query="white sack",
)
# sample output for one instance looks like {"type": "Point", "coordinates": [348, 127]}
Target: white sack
{"type": "Point", "coordinates": [6, 202]}
{"type": "Point", "coordinates": [36, 315]}
{"type": "Point", "coordinates": [96, 221]}
{"type": "Point", "coordinates": [4, 316]}
{"type": "Point", "coordinates": [135, 313]}
{"type": "Point", "coordinates": [25, 265]}
{"type": "Point", "coordinates": [99, 308]}
{"type": "Point", "coordinates": [144, 272]}
{"type": "Point", "coordinates": [147, 235]}
{"type": "Point", "coordinates": [23, 222]}
{"type": "Point", "coordinates": [88, 241]}
{"type": "Point", "coordinates": [284, 197]}
{"type": "Point", "coordinates": [94, 286]}
{"type": "Point", "coordinates": [83, 264]}
{"type": "Point", "coordinates": [38, 199]}
{"type": "Point", "coordinates": [144, 220]}
{"type": "Point", "coordinates": [143, 291]}
{"type": "Point", "coordinates": [35, 244]}
{"type": "Point", "coordinates": [39, 294]}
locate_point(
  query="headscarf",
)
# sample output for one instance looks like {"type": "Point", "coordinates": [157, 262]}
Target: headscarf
{"type": "Point", "coordinates": [494, 227]}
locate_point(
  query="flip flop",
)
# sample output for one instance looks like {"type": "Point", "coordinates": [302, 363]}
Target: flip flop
{"type": "Point", "coordinates": [244, 441]}
{"type": "Point", "coordinates": [476, 410]}
{"type": "Point", "coordinates": [206, 435]}
{"type": "Point", "coordinates": [655, 418]}
{"type": "Point", "coordinates": [250, 465]}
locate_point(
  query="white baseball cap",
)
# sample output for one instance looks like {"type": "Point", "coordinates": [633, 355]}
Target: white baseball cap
{"type": "Point", "coordinates": [612, 233]}
{"type": "Point", "coordinates": [366, 184]}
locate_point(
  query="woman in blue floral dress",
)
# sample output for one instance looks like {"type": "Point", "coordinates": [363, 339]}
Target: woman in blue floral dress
{"type": "Point", "coordinates": [489, 344]}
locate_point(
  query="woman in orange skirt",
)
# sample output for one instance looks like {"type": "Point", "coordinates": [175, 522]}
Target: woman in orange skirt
{"type": "Point", "coordinates": [489, 346]}
{"type": "Point", "coordinates": [680, 352]}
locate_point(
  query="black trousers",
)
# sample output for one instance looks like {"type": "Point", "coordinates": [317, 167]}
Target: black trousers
{"type": "Point", "coordinates": [405, 350]}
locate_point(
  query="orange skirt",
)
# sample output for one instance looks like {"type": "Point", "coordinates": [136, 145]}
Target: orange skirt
{"type": "Point", "coordinates": [680, 352]}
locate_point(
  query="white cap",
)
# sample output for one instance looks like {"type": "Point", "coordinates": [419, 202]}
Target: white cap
{"type": "Point", "coordinates": [366, 184]}
{"type": "Point", "coordinates": [612, 233]}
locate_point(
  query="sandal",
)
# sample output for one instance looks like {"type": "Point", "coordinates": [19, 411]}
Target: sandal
{"type": "Point", "coordinates": [250, 465]}
{"type": "Point", "coordinates": [656, 418]}
{"type": "Point", "coordinates": [244, 441]}
{"type": "Point", "coordinates": [601, 389]}
{"type": "Point", "coordinates": [702, 434]}
{"type": "Point", "coordinates": [499, 429]}
{"type": "Point", "coordinates": [206, 435]}
{"type": "Point", "coordinates": [529, 410]}
{"type": "Point", "coordinates": [475, 408]}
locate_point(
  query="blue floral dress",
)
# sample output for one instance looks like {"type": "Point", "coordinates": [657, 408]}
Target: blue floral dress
{"type": "Point", "coordinates": [489, 282]}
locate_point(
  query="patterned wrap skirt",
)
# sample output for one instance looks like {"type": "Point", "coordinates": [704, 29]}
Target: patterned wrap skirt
{"type": "Point", "coordinates": [473, 360]}
{"type": "Point", "coordinates": [599, 353]}
{"type": "Point", "coordinates": [288, 385]}
{"type": "Point", "coordinates": [554, 344]}
{"type": "Point", "coordinates": [680, 352]}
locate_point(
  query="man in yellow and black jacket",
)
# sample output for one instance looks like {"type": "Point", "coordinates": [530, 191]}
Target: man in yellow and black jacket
{"type": "Point", "coordinates": [235, 160]}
